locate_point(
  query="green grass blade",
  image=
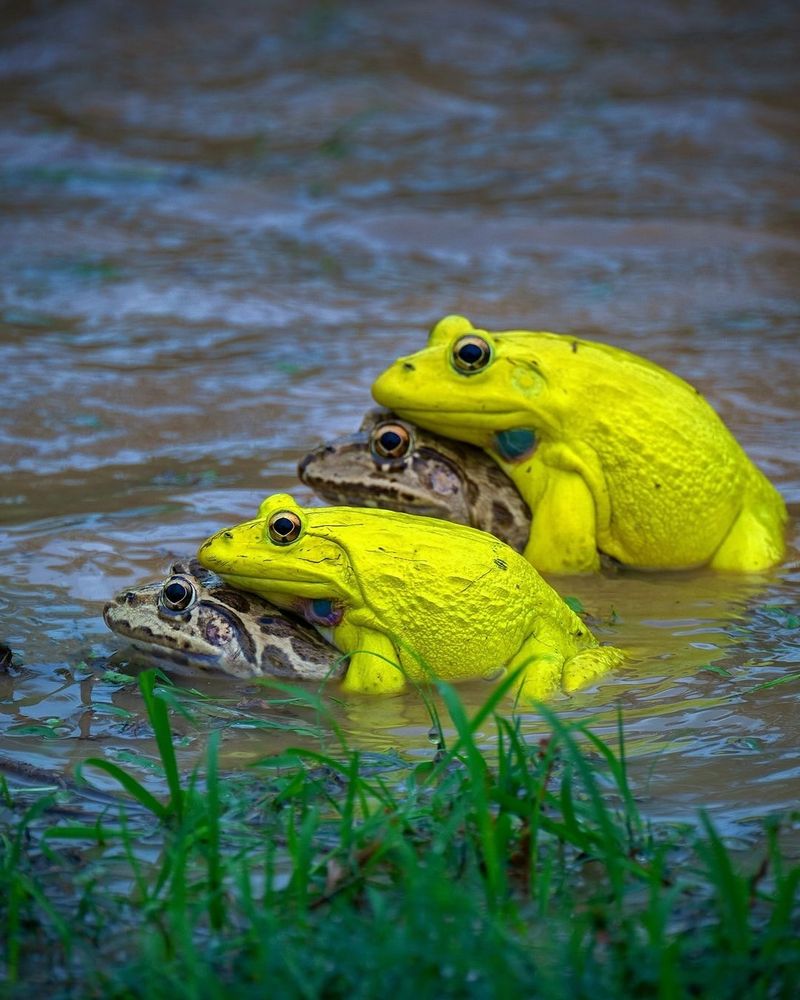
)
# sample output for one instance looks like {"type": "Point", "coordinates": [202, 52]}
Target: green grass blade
{"type": "Point", "coordinates": [216, 908]}
{"type": "Point", "coordinates": [732, 890]}
{"type": "Point", "coordinates": [129, 783]}
{"type": "Point", "coordinates": [767, 685]}
{"type": "Point", "coordinates": [495, 872]}
{"type": "Point", "coordinates": [95, 832]}
{"type": "Point", "coordinates": [486, 709]}
{"type": "Point", "coordinates": [159, 720]}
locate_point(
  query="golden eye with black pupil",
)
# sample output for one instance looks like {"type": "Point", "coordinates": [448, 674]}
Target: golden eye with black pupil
{"type": "Point", "coordinates": [284, 527]}
{"type": "Point", "coordinates": [178, 594]}
{"type": "Point", "coordinates": [470, 354]}
{"type": "Point", "coordinates": [389, 441]}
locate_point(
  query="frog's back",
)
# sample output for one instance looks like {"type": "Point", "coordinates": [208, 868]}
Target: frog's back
{"type": "Point", "coordinates": [432, 556]}
{"type": "Point", "coordinates": [451, 592]}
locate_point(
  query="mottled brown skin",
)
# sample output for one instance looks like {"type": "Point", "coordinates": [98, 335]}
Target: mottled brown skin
{"type": "Point", "coordinates": [223, 629]}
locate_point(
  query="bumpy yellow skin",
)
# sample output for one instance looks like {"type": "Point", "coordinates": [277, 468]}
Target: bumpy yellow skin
{"type": "Point", "coordinates": [414, 595]}
{"type": "Point", "coordinates": [629, 460]}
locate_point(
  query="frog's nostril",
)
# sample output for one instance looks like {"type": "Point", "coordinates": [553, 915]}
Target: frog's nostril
{"type": "Point", "coordinates": [129, 597]}
{"type": "Point", "coordinates": [408, 367]}
{"type": "Point", "coordinates": [227, 534]}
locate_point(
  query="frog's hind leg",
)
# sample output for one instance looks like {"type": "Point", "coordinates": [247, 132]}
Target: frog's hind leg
{"type": "Point", "coordinates": [547, 672]}
{"type": "Point", "coordinates": [541, 667]}
{"type": "Point", "coordinates": [587, 666]}
{"type": "Point", "coordinates": [755, 542]}
{"type": "Point", "coordinates": [374, 665]}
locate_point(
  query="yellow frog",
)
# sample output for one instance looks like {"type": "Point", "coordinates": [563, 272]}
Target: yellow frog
{"type": "Point", "coordinates": [612, 453]}
{"type": "Point", "coordinates": [405, 596]}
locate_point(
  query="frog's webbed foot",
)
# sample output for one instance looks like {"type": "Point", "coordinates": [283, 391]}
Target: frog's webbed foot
{"type": "Point", "coordinates": [541, 679]}
{"type": "Point", "coordinates": [374, 665]}
{"type": "Point", "coordinates": [542, 668]}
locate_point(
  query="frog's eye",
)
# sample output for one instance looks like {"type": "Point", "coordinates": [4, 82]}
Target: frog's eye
{"type": "Point", "coordinates": [389, 441]}
{"type": "Point", "coordinates": [284, 527]}
{"type": "Point", "coordinates": [178, 594]}
{"type": "Point", "coordinates": [470, 354]}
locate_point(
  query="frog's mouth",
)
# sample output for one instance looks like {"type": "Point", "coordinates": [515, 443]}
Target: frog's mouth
{"type": "Point", "coordinates": [254, 583]}
{"type": "Point", "coordinates": [165, 651]}
{"type": "Point", "coordinates": [157, 648]}
{"type": "Point", "coordinates": [485, 419]}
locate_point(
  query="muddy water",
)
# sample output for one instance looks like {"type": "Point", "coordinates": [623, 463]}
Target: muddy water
{"type": "Point", "coordinates": [219, 222]}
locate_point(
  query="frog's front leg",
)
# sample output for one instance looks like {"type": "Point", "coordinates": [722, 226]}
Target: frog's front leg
{"type": "Point", "coordinates": [374, 664]}
{"type": "Point", "coordinates": [563, 536]}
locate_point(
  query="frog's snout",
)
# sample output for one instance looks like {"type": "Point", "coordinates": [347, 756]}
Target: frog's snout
{"type": "Point", "coordinates": [129, 597]}
{"type": "Point", "coordinates": [312, 457]}
{"type": "Point", "coordinates": [221, 538]}
{"type": "Point", "coordinates": [385, 388]}
{"type": "Point", "coordinates": [218, 551]}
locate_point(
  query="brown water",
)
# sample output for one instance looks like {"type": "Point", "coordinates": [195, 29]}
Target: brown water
{"type": "Point", "coordinates": [219, 222]}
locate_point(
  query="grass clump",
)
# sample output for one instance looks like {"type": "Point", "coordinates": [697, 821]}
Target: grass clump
{"type": "Point", "coordinates": [327, 875]}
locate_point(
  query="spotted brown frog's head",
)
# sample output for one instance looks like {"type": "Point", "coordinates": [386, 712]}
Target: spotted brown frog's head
{"type": "Point", "coordinates": [393, 464]}
{"type": "Point", "coordinates": [194, 620]}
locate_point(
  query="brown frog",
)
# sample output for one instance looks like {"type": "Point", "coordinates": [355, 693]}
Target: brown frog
{"type": "Point", "coordinates": [195, 620]}
{"type": "Point", "coordinates": [393, 464]}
